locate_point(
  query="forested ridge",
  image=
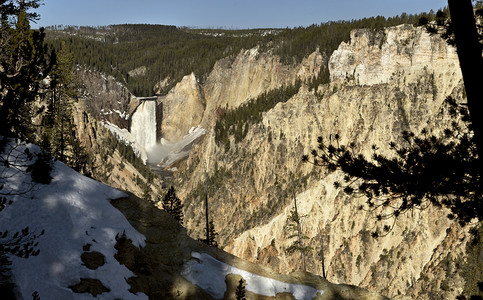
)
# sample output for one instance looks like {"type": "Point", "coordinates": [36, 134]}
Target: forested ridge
{"type": "Point", "coordinates": [158, 52]}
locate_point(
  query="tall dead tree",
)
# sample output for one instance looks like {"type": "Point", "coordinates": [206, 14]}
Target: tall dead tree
{"type": "Point", "coordinates": [207, 214]}
{"type": "Point", "coordinates": [324, 274]}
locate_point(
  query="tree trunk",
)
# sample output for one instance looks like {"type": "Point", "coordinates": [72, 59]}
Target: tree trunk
{"type": "Point", "coordinates": [471, 64]}
{"type": "Point", "coordinates": [62, 146]}
{"type": "Point", "coordinates": [299, 229]}
{"type": "Point", "coordinates": [206, 215]}
{"type": "Point", "coordinates": [322, 257]}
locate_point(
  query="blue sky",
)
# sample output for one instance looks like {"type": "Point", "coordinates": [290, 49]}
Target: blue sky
{"type": "Point", "coordinates": [229, 14]}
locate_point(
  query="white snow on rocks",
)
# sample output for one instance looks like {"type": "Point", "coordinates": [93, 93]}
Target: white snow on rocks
{"type": "Point", "coordinates": [209, 274]}
{"type": "Point", "coordinates": [128, 138]}
{"type": "Point", "coordinates": [166, 153]}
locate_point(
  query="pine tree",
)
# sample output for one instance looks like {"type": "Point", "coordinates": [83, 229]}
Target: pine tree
{"type": "Point", "coordinates": [294, 228]}
{"type": "Point", "coordinates": [41, 168]}
{"type": "Point", "coordinates": [213, 235]}
{"type": "Point", "coordinates": [79, 159]}
{"type": "Point", "coordinates": [58, 123]}
{"type": "Point", "coordinates": [240, 290]}
{"type": "Point", "coordinates": [424, 170]}
{"type": "Point", "coordinates": [172, 204]}
{"type": "Point", "coordinates": [35, 296]}
{"type": "Point", "coordinates": [23, 66]}
{"type": "Point", "coordinates": [147, 193]}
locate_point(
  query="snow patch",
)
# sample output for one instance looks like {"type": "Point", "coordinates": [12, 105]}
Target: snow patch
{"type": "Point", "coordinates": [122, 115]}
{"type": "Point", "coordinates": [252, 53]}
{"type": "Point", "coordinates": [166, 153]}
{"type": "Point", "coordinates": [74, 211]}
{"type": "Point", "coordinates": [209, 274]}
{"type": "Point", "coordinates": [128, 138]}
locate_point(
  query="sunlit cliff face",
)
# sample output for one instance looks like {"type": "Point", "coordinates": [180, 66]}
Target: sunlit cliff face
{"type": "Point", "coordinates": [380, 86]}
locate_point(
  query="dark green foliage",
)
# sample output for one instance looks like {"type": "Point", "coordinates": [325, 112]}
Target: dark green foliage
{"type": "Point", "coordinates": [35, 296]}
{"type": "Point", "coordinates": [240, 290]}
{"type": "Point", "coordinates": [294, 230]}
{"type": "Point", "coordinates": [292, 227]}
{"type": "Point", "coordinates": [79, 159]}
{"type": "Point", "coordinates": [21, 244]}
{"type": "Point", "coordinates": [442, 25]}
{"type": "Point", "coordinates": [237, 121]}
{"type": "Point", "coordinates": [472, 270]}
{"type": "Point", "coordinates": [172, 204]}
{"type": "Point", "coordinates": [212, 235]}
{"type": "Point", "coordinates": [41, 168]}
{"type": "Point", "coordinates": [424, 170]}
{"type": "Point", "coordinates": [9, 8]}
{"type": "Point", "coordinates": [147, 193]}
{"type": "Point", "coordinates": [171, 52]}
{"type": "Point", "coordinates": [23, 64]}
{"type": "Point", "coordinates": [58, 128]}
{"type": "Point", "coordinates": [296, 43]}
{"type": "Point", "coordinates": [166, 51]}
{"type": "Point", "coordinates": [127, 152]}
{"type": "Point", "coordinates": [322, 78]}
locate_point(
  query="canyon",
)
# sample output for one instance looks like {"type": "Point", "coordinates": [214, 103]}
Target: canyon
{"type": "Point", "coordinates": [382, 82]}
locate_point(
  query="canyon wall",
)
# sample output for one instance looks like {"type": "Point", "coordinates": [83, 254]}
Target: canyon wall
{"type": "Point", "coordinates": [382, 83]}
{"type": "Point", "coordinates": [182, 108]}
{"type": "Point", "coordinates": [105, 98]}
{"type": "Point", "coordinates": [234, 81]}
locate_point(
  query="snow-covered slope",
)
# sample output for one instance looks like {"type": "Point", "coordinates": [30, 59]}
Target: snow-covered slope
{"type": "Point", "coordinates": [74, 211]}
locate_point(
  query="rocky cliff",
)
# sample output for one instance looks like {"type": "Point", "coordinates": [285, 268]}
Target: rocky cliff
{"type": "Point", "coordinates": [182, 108]}
{"type": "Point", "coordinates": [105, 98]}
{"type": "Point", "coordinates": [232, 82]}
{"type": "Point", "coordinates": [382, 83]}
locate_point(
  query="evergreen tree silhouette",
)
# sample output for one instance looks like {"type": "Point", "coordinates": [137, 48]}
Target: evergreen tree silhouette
{"type": "Point", "coordinates": [240, 290]}
{"type": "Point", "coordinates": [172, 204]}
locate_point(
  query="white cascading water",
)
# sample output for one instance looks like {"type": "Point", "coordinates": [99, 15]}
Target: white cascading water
{"type": "Point", "coordinates": [143, 124]}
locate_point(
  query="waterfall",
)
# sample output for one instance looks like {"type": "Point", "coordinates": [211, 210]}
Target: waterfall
{"type": "Point", "coordinates": [143, 124]}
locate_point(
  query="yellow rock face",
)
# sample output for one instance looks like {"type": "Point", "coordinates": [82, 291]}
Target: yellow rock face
{"type": "Point", "coordinates": [381, 84]}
